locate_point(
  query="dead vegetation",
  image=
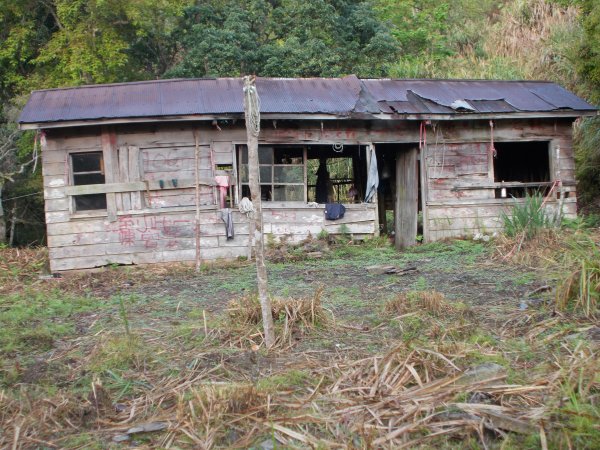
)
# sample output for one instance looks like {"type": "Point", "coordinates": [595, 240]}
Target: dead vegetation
{"type": "Point", "coordinates": [404, 398]}
{"type": "Point", "coordinates": [573, 259]}
{"type": "Point", "coordinates": [430, 301]}
{"type": "Point", "coordinates": [420, 370]}
{"type": "Point", "coordinates": [293, 318]}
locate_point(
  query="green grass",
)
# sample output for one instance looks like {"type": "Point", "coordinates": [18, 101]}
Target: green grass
{"type": "Point", "coordinates": [290, 380]}
{"type": "Point", "coordinates": [33, 321]}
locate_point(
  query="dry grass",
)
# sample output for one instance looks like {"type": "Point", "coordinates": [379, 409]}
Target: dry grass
{"type": "Point", "coordinates": [293, 318]}
{"type": "Point", "coordinates": [542, 250]}
{"type": "Point", "coordinates": [21, 266]}
{"type": "Point", "coordinates": [320, 387]}
{"type": "Point", "coordinates": [401, 399]}
{"type": "Point", "coordinates": [572, 255]}
{"type": "Point", "coordinates": [431, 301]}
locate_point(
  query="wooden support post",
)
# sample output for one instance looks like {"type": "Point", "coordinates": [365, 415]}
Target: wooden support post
{"type": "Point", "coordinates": [407, 194]}
{"type": "Point", "coordinates": [197, 183]}
{"type": "Point", "coordinates": [253, 129]}
{"type": "Point", "coordinates": [111, 169]}
{"type": "Point", "coordinates": [424, 192]}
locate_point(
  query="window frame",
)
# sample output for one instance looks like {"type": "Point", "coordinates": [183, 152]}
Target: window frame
{"type": "Point", "coordinates": [73, 197]}
{"type": "Point", "coordinates": [274, 147]}
{"type": "Point", "coordinates": [505, 187]}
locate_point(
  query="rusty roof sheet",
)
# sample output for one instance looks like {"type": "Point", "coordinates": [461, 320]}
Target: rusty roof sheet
{"type": "Point", "coordinates": [346, 96]}
{"type": "Point", "coordinates": [491, 95]}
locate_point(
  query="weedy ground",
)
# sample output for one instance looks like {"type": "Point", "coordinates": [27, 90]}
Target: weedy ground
{"type": "Point", "coordinates": [467, 345]}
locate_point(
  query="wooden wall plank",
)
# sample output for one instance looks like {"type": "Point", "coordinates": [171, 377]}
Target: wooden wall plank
{"type": "Point", "coordinates": [111, 169]}
{"type": "Point", "coordinates": [407, 192]}
{"type": "Point", "coordinates": [125, 197]}
{"type": "Point", "coordinates": [135, 174]}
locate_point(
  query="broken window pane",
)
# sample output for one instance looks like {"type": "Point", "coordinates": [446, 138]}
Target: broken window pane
{"type": "Point", "coordinates": [87, 162]}
{"type": "Point", "coordinates": [90, 201]}
{"type": "Point", "coordinates": [88, 178]}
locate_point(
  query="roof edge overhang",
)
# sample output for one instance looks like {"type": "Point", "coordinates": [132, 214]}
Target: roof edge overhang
{"type": "Point", "coordinates": [565, 114]}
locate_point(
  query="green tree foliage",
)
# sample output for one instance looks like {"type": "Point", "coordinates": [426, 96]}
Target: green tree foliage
{"type": "Point", "coordinates": [587, 136]}
{"type": "Point", "coordinates": [25, 26]}
{"type": "Point", "coordinates": [284, 38]}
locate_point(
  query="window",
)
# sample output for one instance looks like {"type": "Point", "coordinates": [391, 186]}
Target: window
{"type": "Point", "coordinates": [524, 167]}
{"type": "Point", "coordinates": [281, 173]}
{"type": "Point", "coordinates": [314, 173]}
{"type": "Point", "coordinates": [88, 168]}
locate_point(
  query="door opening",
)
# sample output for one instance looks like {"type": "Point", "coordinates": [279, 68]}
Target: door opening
{"type": "Point", "coordinates": [399, 193]}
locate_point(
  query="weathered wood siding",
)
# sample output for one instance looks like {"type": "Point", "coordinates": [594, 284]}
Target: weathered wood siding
{"type": "Point", "coordinates": [460, 198]}
{"type": "Point", "coordinates": [156, 224]}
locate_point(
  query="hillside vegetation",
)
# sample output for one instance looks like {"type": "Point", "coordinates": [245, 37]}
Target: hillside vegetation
{"type": "Point", "coordinates": [53, 43]}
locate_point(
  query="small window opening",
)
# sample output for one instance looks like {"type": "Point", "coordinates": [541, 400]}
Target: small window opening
{"type": "Point", "coordinates": [88, 168]}
{"type": "Point", "coordinates": [523, 166]}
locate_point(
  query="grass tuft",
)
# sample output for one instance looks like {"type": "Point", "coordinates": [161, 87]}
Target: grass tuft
{"type": "Point", "coordinates": [579, 289]}
{"type": "Point", "coordinates": [293, 316]}
{"type": "Point", "coordinates": [527, 219]}
{"type": "Point", "coordinates": [431, 301]}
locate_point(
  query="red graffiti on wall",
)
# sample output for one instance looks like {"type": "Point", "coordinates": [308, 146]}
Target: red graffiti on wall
{"type": "Point", "coordinates": [151, 232]}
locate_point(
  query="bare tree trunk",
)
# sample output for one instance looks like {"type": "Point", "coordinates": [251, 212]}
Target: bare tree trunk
{"type": "Point", "coordinates": [251, 108]}
{"type": "Point", "coordinates": [2, 219]}
{"type": "Point", "coordinates": [13, 224]}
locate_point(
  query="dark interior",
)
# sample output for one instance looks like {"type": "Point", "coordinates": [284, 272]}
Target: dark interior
{"type": "Point", "coordinates": [525, 162]}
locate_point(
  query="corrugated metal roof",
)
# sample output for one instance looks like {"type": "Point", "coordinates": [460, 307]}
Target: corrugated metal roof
{"type": "Point", "coordinates": [335, 96]}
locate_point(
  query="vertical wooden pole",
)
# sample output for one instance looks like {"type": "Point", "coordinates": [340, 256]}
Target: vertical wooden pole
{"type": "Point", "coordinates": [407, 193]}
{"type": "Point", "coordinates": [197, 184]}
{"type": "Point", "coordinates": [424, 192]}
{"type": "Point", "coordinates": [111, 170]}
{"type": "Point", "coordinates": [382, 213]}
{"type": "Point", "coordinates": [252, 113]}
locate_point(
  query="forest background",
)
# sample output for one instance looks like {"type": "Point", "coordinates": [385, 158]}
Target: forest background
{"type": "Point", "coordinates": [57, 43]}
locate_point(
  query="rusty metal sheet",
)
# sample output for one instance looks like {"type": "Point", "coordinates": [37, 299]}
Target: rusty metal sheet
{"type": "Point", "coordinates": [346, 96]}
{"type": "Point", "coordinates": [558, 96]}
{"type": "Point", "coordinates": [309, 95]}
{"type": "Point", "coordinates": [487, 106]}
{"type": "Point", "coordinates": [401, 107]}
{"type": "Point", "coordinates": [524, 96]}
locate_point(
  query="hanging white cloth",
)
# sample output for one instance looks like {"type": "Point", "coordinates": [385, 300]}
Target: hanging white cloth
{"type": "Point", "coordinates": [372, 177]}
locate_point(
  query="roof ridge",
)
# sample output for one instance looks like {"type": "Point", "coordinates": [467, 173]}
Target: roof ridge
{"type": "Point", "coordinates": [177, 80]}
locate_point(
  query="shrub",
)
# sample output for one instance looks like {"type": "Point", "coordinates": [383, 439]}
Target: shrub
{"type": "Point", "coordinates": [528, 218]}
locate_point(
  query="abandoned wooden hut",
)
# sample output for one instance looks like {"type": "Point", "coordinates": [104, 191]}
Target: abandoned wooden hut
{"type": "Point", "coordinates": [437, 158]}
